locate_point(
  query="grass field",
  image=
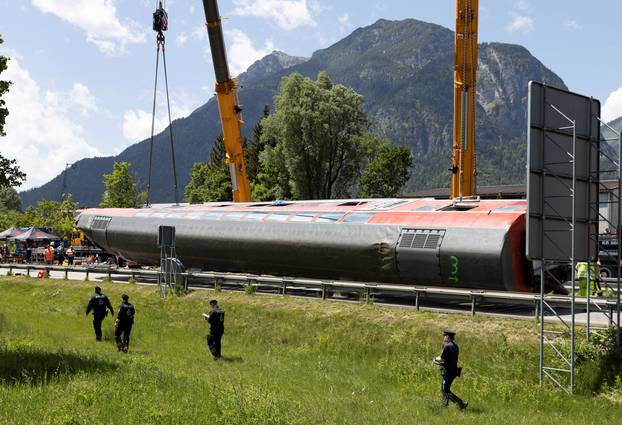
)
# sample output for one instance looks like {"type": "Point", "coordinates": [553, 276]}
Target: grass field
{"type": "Point", "coordinates": [286, 361]}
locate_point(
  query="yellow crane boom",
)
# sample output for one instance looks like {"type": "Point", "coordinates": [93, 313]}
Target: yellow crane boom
{"type": "Point", "coordinates": [463, 182]}
{"type": "Point", "coordinates": [228, 105]}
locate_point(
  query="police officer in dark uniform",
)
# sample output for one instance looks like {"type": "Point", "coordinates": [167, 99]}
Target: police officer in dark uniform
{"type": "Point", "coordinates": [216, 319]}
{"type": "Point", "coordinates": [448, 360]}
{"type": "Point", "coordinates": [123, 326]}
{"type": "Point", "coordinates": [99, 303]}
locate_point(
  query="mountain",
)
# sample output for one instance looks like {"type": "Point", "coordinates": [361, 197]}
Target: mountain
{"type": "Point", "coordinates": [404, 70]}
{"type": "Point", "coordinates": [274, 62]}
{"type": "Point", "coordinates": [607, 134]}
{"type": "Point", "coordinates": [193, 137]}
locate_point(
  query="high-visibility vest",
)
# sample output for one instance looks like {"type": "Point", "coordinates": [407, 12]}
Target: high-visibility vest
{"type": "Point", "coordinates": [581, 275]}
{"type": "Point", "coordinates": [581, 271]}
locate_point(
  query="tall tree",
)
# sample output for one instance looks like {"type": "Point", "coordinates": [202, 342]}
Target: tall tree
{"type": "Point", "coordinates": [10, 174]}
{"type": "Point", "coordinates": [9, 199]}
{"type": "Point", "coordinates": [273, 181]}
{"type": "Point", "coordinates": [316, 126]}
{"type": "Point", "coordinates": [4, 87]}
{"type": "Point", "coordinates": [387, 173]}
{"type": "Point", "coordinates": [253, 149]}
{"type": "Point", "coordinates": [120, 188]}
{"type": "Point", "coordinates": [211, 181]}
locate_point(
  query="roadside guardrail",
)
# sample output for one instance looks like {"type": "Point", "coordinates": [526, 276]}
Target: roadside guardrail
{"type": "Point", "coordinates": [366, 290]}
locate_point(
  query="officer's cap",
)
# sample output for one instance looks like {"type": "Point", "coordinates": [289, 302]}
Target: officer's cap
{"type": "Point", "coordinates": [449, 333]}
{"type": "Point", "coordinates": [125, 297]}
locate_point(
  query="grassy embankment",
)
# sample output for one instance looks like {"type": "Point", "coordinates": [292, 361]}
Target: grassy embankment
{"type": "Point", "coordinates": [286, 361]}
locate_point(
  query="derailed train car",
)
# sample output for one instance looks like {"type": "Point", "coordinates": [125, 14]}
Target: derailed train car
{"type": "Point", "coordinates": [410, 241]}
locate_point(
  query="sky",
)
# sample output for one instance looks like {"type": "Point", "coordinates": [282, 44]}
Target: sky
{"type": "Point", "coordinates": [83, 70]}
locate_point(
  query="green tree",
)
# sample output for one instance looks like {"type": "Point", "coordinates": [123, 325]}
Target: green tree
{"type": "Point", "coordinates": [272, 181]}
{"type": "Point", "coordinates": [4, 87]}
{"type": "Point", "coordinates": [253, 149]}
{"type": "Point", "coordinates": [10, 174]}
{"type": "Point", "coordinates": [120, 188]}
{"type": "Point", "coordinates": [9, 218]}
{"type": "Point", "coordinates": [387, 172]}
{"type": "Point", "coordinates": [316, 126]}
{"type": "Point", "coordinates": [9, 199]}
{"type": "Point", "coordinates": [58, 216]}
{"type": "Point", "coordinates": [211, 181]}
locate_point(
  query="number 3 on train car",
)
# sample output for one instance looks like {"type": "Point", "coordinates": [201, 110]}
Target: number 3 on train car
{"type": "Point", "coordinates": [453, 278]}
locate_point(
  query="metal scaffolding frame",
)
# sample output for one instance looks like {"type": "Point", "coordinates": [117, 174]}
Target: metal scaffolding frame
{"type": "Point", "coordinates": [167, 277]}
{"type": "Point", "coordinates": [171, 269]}
{"type": "Point", "coordinates": [564, 156]}
{"type": "Point", "coordinates": [553, 337]}
{"type": "Point", "coordinates": [610, 161]}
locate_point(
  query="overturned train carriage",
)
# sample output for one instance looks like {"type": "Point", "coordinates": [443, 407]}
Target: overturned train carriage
{"type": "Point", "coordinates": [419, 241]}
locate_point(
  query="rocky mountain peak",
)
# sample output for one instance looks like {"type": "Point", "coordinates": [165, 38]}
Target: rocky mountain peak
{"type": "Point", "coordinates": [387, 39]}
{"type": "Point", "coordinates": [270, 64]}
{"type": "Point", "coordinates": [503, 74]}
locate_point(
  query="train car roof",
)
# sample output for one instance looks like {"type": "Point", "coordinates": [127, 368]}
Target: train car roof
{"type": "Point", "coordinates": [392, 204]}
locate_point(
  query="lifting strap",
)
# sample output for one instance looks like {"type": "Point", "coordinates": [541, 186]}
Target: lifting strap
{"type": "Point", "coordinates": [160, 24]}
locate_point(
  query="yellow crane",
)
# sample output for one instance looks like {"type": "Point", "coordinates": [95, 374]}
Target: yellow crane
{"type": "Point", "coordinates": [228, 105]}
{"type": "Point", "coordinates": [463, 182]}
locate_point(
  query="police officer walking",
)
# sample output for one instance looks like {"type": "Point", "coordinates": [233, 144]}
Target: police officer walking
{"type": "Point", "coordinates": [448, 360]}
{"type": "Point", "coordinates": [98, 304]}
{"type": "Point", "coordinates": [123, 326]}
{"type": "Point", "coordinates": [216, 319]}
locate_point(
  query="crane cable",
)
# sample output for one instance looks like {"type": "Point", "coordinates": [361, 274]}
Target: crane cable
{"type": "Point", "coordinates": [160, 24]}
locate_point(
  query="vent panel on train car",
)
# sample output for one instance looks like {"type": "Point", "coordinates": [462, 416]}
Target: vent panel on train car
{"type": "Point", "coordinates": [418, 254]}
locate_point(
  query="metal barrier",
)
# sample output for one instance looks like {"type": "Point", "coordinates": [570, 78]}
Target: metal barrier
{"type": "Point", "coordinates": [321, 287]}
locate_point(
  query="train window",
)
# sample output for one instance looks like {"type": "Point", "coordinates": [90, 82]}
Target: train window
{"type": "Point", "coordinates": [235, 215]}
{"type": "Point", "coordinates": [352, 203]}
{"type": "Point", "coordinates": [390, 204]}
{"type": "Point", "coordinates": [256, 216]}
{"type": "Point", "coordinates": [304, 216]}
{"type": "Point", "coordinates": [362, 217]}
{"type": "Point", "coordinates": [428, 208]}
{"type": "Point", "coordinates": [278, 216]}
{"type": "Point", "coordinates": [329, 217]}
{"type": "Point", "coordinates": [458, 207]}
{"type": "Point", "coordinates": [279, 204]}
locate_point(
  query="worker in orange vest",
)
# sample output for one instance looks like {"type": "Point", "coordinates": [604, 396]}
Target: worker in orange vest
{"type": "Point", "coordinates": [48, 255]}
